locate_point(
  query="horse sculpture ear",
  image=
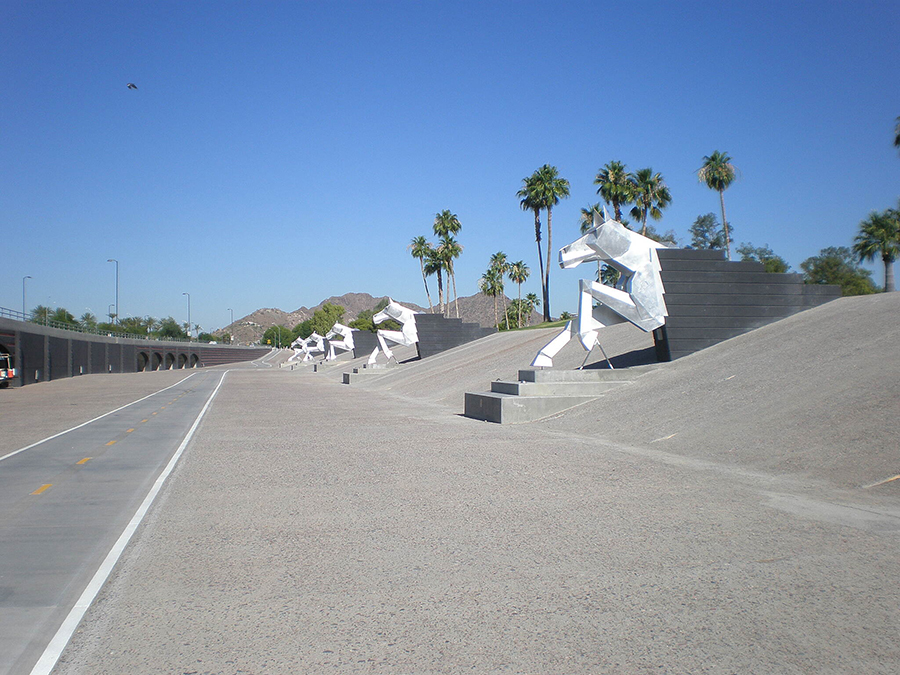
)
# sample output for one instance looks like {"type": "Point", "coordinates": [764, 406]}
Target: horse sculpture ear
{"type": "Point", "coordinates": [605, 214]}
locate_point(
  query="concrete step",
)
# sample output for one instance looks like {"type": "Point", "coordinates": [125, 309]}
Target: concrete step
{"type": "Point", "coordinates": [362, 375]}
{"type": "Point", "coordinates": [586, 388]}
{"type": "Point", "coordinates": [508, 409]}
{"type": "Point", "coordinates": [585, 375]}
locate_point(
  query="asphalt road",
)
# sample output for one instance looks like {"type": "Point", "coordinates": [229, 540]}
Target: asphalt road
{"type": "Point", "coordinates": [64, 503]}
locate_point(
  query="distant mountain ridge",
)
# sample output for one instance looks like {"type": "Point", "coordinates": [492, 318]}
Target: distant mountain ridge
{"type": "Point", "coordinates": [477, 308]}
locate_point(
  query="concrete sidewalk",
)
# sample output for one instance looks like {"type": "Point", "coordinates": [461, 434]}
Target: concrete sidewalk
{"type": "Point", "coordinates": [313, 527]}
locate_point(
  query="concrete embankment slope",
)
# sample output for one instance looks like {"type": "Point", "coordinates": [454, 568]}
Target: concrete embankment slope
{"type": "Point", "coordinates": [815, 394]}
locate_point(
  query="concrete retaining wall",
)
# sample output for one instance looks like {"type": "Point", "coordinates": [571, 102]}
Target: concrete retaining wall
{"type": "Point", "coordinates": [42, 353]}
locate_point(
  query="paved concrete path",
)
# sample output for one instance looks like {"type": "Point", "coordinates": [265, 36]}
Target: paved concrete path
{"type": "Point", "coordinates": [313, 527]}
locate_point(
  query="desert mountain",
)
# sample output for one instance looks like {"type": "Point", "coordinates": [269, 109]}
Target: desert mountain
{"type": "Point", "coordinates": [476, 308]}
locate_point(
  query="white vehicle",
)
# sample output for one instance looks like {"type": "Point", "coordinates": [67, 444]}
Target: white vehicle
{"type": "Point", "coordinates": [7, 372]}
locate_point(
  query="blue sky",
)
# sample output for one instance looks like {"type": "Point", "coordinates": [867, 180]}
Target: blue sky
{"type": "Point", "coordinates": [277, 153]}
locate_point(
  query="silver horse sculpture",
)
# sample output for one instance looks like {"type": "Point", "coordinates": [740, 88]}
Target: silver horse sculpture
{"type": "Point", "coordinates": [637, 296]}
{"type": "Point", "coordinates": [407, 336]}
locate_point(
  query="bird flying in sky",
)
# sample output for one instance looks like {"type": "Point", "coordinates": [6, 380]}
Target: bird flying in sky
{"type": "Point", "coordinates": [131, 85]}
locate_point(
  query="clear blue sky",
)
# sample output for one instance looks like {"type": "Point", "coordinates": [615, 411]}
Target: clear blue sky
{"type": "Point", "coordinates": [277, 153]}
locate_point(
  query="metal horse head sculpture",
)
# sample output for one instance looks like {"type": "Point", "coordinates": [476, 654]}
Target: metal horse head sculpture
{"type": "Point", "coordinates": [637, 297]}
{"type": "Point", "coordinates": [407, 336]}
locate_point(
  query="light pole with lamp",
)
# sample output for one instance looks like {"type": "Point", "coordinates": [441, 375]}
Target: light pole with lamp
{"type": "Point", "coordinates": [189, 314]}
{"type": "Point", "coordinates": [109, 311]}
{"type": "Point", "coordinates": [117, 287]}
{"type": "Point", "coordinates": [232, 324]}
{"type": "Point", "coordinates": [24, 315]}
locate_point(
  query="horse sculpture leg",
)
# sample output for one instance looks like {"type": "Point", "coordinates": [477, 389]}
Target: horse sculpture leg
{"type": "Point", "coordinates": [545, 355]}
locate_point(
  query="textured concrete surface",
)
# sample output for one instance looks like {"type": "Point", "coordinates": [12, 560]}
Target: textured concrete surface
{"type": "Point", "coordinates": [317, 527]}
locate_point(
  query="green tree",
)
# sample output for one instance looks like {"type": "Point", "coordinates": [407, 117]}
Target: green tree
{"type": "Point", "coordinates": [616, 187]}
{"type": "Point", "coordinates": [706, 233]}
{"type": "Point", "coordinates": [448, 251]}
{"type": "Point", "coordinates": [650, 196]}
{"type": "Point", "coordinates": [531, 200]}
{"type": "Point", "coordinates": [669, 238]}
{"type": "Point", "coordinates": [208, 337]}
{"type": "Point", "coordinates": [879, 235]}
{"type": "Point", "coordinates": [718, 173]}
{"type": "Point", "coordinates": [88, 321]}
{"type": "Point", "coordinates": [838, 265]}
{"type": "Point", "coordinates": [41, 314]}
{"type": "Point", "coordinates": [63, 316]}
{"type": "Point", "coordinates": [491, 284]}
{"type": "Point", "coordinates": [434, 265]}
{"type": "Point", "coordinates": [500, 263]}
{"type": "Point", "coordinates": [278, 336]}
{"type": "Point", "coordinates": [169, 328]}
{"type": "Point", "coordinates": [763, 254]}
{"type": "Point", "coordinates": [549, 187]}
{"type": "Point", "coordinates": [419, 249]}
{"type": "Point", "coordinates": [135, 325]}
{"type": "Point", "coordinates": [532, 302]}
{"type": "Point", "coordinates": [518, 273]}
{"type": "Point", "coordinates": [446, 224]}
{"type": "Point", "coordinates": [323, 319]}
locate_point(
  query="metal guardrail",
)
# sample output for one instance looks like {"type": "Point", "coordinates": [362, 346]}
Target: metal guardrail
{"type": "Point", "coordinates": [18, 316]}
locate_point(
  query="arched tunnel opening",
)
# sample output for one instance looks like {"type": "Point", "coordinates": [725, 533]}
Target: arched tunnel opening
{"type": "Point", "coordinates": [157, 361]}
{"type": "Point", "coordinates": [170, 361]}
{"type": "Point", "coordinates": [142, 361]}
{"type": "Point", "coordinates": [182, 361]}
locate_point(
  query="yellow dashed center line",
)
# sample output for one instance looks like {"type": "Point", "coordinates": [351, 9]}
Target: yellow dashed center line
{"type": "Point", "coordinates": [128, 431]}
{"type": "Point", "coordinates": [111, 443]}
{"type": "Point", "coordinates": [142, 421]}
{"type": "Point", "coordinates": [154, 413]}
{"type": "Point", "coordinates": [42, 488]}
{"type": "Point", "coordinates": [84, 461]}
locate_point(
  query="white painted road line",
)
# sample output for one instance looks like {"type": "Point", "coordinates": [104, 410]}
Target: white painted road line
{"type": "Point", "coordinates": [84, 424]}
{"type": "Point", "coordinates": [53, 651]}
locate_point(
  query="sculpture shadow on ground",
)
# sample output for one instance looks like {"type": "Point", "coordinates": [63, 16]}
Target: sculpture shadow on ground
{"type": "Point", "coordinates": [636, 357]}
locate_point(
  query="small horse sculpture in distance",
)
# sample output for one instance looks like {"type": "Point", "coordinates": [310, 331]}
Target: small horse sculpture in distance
{"type": "Point", "coordinates": [407, 336]}
{"type": "Point", "coordinates": [637, 297]}
{"type": "Point", "coordinates": [344, 344]}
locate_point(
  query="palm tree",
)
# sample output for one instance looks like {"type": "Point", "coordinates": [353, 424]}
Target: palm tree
{"type": "Point", "coordinates": [650, 196]}
{"type": "Point", "coordinates": [447, 223]}
{"type": "Point", "coordinates": [550, 187]}
{"type": "Point", "coordinates": [531, 201]}
{"type": "Point", "coordinates": [586, 220]}
{"type": "Point", "coordinates": [718, 173]}
{"type": "Point", "coordinates": [518, 274]}
{"type": "Point", "coordinates": [449, 251]}
{"type": "Point", "coordinates": [419, 248]}
{"type": "Point", "coordinates": [615, 186]}
{"type": "Point", "coordinates": [434, 264]}
{"type": "Point", "coordinates": [491, 284]}
{"type": "Point", "coordinates": [41, 314]}
{"type": "Point", "coordinates": [501, 265]}
{"type": "Point", "coordinates": [879, 234]}
{"type": "Point", "coordinates": [532, 301]}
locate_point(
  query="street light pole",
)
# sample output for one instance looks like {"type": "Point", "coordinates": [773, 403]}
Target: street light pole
{"type": "Point", "coordinates": [189, 314]}
{"type": "Point", "coordinates": [117, 287]}
{"type": "Point", "coordinates": [232, 324]}
{"type": "Point", "coordinates": [24, 315]}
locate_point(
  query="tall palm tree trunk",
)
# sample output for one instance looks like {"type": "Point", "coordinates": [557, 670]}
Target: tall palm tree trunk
{"type": "Point", "coordinates": [440, 292]}
{"type": "Point", "coordinates": [537, 238]}
{"type": "Point", "coordinates": [455, 296]}
{"type": "Point", "coordinates": [888, 274]}
{"type": "Point", "coordinates": [725, 225]}
{"type": "Point", "coordinates": [519, 308]}
{"type": "Point", "coordinates": [425, 281]}
{"type": "Point", "coordinates": [496, 320]}
{"type": "Point", "coordinates": [547, 272]}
